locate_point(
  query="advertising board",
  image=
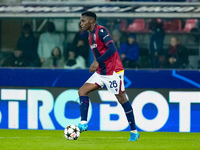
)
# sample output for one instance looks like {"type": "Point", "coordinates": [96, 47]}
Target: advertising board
{"type": "Point", "coordinates": [158, 108]}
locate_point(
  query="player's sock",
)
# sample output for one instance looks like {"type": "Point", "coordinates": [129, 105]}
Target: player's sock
{"type": "Point", "coordinates": [83, 122]}
{"type": "Point", "coordinates": [134, 131]}
{"type": "Point", "coordinates": [129, 114]}
{"type": "Point", "coordinates": [84, 105]}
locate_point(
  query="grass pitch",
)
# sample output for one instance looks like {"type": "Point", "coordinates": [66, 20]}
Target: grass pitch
{"type": "Point", "coordinates": [96, 140]}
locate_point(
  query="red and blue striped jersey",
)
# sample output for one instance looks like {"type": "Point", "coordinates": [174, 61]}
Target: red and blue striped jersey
{"type": "Point", "coordinates": [103, 46]}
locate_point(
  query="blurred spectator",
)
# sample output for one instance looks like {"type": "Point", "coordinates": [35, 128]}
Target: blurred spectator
{"type": "Point", "coordinates": [156, 43]}
{"type": "Point", "coordinates": [81, 45]}
{"type": "Point", "coordinates": [177, 56]}
{"type": "Point", "coordinates": [173, 0]}
{"type": "Point", "coordinates": [147, 0]}
{"type": "Point", "coordinates": [28, 44]}
{"type": "Point", "coordinates": [55, 61]}
{"type": "Point", "coordinates": [111, 24]}
{"type": "Point", "coordinates": [117, 0]}
{"type": "Point", "coordinates": [116, 35]}
{"type": "Point", "coordinates": [47, 41]}
{"type": "Point", "coordinates": [74, 61]}
{"type": "Point", "coordinates": [161, 59]}
{"type": "Point", "coordinates": [195, 32]}
{"type": "Point", "coordinates": [129, 52]}
{"type": "Point", "coordinates": [16, 59]}
{"type": "Point", "coordinates": [192, 0]}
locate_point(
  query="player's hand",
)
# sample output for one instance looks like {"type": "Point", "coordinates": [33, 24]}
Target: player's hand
{"type": "Point", "coordinates": [94, 66]}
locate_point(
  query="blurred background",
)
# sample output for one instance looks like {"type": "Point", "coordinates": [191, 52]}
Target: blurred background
{"type": "Point", "coordinates": [158, 34]}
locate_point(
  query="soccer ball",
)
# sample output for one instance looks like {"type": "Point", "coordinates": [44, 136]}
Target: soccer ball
{"type": "Point", "coordinates": [72, 132]}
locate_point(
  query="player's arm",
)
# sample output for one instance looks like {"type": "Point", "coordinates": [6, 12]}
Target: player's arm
{"type": "Point", "coordinates": [93, 66]}
{"type": "Point", "coordinates": [111, 50]}
{"type": "Point", "coordinates": [106, 38]}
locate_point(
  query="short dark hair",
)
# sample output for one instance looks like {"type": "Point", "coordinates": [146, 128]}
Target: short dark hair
{"type": "Point", "coordinates": [90, 14]}
{"type": "Point", "coordinates": [51, 27]}
{"type": "Point", "coordinates": [27, 27]}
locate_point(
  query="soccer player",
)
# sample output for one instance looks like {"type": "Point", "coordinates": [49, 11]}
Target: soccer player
{"type": "Point", "coordinates": [108, 70]}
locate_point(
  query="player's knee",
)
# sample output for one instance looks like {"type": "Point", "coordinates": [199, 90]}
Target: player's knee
{"type": "Point", "coordinates": [82, 92]}
{"type": "Point", "coordinates": [121, 98]}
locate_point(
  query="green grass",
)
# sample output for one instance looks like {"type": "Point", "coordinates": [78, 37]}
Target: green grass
{"type": "Point", "coordinates": [55, 140]}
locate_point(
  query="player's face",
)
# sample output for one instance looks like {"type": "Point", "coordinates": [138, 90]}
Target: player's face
{"type": "Point", "coordinates": [85, 22]}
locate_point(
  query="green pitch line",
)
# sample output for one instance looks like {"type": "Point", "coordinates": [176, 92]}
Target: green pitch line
{"type": "Point", "coordinates": [96, 140]}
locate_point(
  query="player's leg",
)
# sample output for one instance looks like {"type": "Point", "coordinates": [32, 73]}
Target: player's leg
{"type": "Point", "coordinates": [129, 115]}
{"type": "Point", "coordinates": [115, 85]}
{"type": "Point", "coordinates": [84, 99]}
{"type": "Point", "coordinates": [122, 99]}
{"type": "Point", "coordinates": [84, 103]}
{"type": "Point", "coordinates": [87, 88]}
{"type": "Point", "coordinates": [127, 109]}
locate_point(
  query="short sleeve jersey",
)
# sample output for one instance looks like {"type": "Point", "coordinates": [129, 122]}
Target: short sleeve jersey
{"type": "Point", "coordinates": [99, 38]}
